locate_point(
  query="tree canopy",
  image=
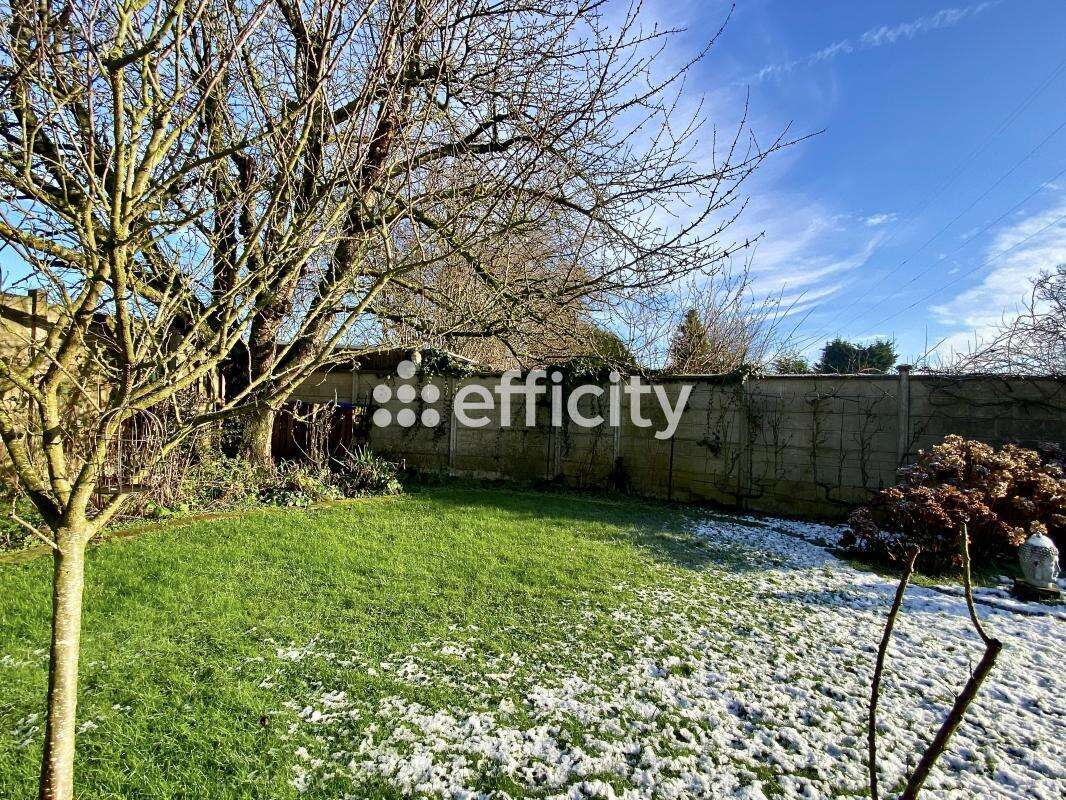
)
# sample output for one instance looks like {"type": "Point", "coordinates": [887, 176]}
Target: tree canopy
{"type": "Point", "coordinates": [790, 362]}
{"type": "Point", "coordinates": [841, 356]}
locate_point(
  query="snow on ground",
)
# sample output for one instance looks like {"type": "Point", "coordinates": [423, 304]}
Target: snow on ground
{"type": "Point", "coordinates": [746, 677]}
{"type": "Point", "coordinates": [998, 597]}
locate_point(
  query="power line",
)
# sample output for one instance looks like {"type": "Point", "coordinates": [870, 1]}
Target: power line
{"type": "Point", "coordinates": [958, 170]}
{"type": "Point", "coordinates": [830, 326]}
{"type": "Point", "coordinates": [965, 274]}
{"type": "Point", "coordinates": [973, 154]}
{"type": "Point", "coordinates": [979, 198]}
{"type": "Point", "coordinates": [969, 240]}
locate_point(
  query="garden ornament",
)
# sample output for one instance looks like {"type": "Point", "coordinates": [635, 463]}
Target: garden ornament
{"type": "Point", "coordinates": [1040, 561]}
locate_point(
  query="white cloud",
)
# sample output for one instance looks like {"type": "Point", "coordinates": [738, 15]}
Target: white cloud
{"type": "Point", "coordinates": [832, 51]}
{"type": "Point", "coordinates": [877, 37]}
{"type": "Point", "coordinates": [1016, 256]}
{"type": "Point", "coordinates": [808, 252]}
{"type": "Point", "coordinates": [876, 220]}
{"type": "Point", "coordinates": [944, 18]}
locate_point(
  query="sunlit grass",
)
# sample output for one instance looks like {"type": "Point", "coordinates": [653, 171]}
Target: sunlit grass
{"type": "Point", "coordinates": [176, 699]}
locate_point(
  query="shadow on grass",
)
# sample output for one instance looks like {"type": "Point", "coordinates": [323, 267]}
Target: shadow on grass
{"type": "Point", "coordinates": [660, 528]}
{"type": "Point", "coordinates": [919, 599]}
{"type": "Point", "coordinates": [983, 575]}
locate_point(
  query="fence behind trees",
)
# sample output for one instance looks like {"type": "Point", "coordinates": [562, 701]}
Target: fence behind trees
{"type": "Point", "coordinates": [805, 445]}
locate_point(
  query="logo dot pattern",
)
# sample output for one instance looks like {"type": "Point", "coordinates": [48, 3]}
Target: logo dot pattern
{"type": "Point", "coordinates": [405, 394]}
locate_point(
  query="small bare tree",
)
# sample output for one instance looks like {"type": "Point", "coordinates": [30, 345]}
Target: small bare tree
{"type": "Point", "coordinates": [939, 743]}
{"type": "Point", "coordinates": [219, 195]}
{"type": "Point", "coordinates": [1034, 342]}
{"type": "Point", "coordinates": [705, 325]}
{"type": "Point", "coordinates": [109, 193]}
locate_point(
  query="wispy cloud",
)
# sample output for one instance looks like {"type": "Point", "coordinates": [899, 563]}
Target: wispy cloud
{"type": "Point", "coordinates": [1017, 255]}
{"type": "Point", "coordinates": [809, 252]}
{"type": "Point", "coordinates": [877, 37]}
{"type": "Point", "coordinates": [877, 220]}
{"type": "Point", "coordinates": [944, 18]}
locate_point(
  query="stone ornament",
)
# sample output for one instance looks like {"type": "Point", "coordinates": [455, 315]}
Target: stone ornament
{"type": "Point", "coordinates": [1040, 561]}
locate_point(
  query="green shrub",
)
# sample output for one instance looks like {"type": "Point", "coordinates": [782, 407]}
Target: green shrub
{"type": "Point", "coordinates": [296, 484]}
{"type": "Point", "coordinates": [221, 483]}
{"type": "Point", "coordinates": [361, 472]}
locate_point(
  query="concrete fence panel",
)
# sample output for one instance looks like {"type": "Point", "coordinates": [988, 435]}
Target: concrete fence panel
{"type": "Point", "coordinates": [804, 445]}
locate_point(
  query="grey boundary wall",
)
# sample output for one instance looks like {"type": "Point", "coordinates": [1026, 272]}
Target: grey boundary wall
{"type": "Point", "coordinates": [802, 445]}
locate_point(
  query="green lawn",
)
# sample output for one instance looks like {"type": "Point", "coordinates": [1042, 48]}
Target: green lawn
{"type": "Point", "coordinates": [471, 642]}
{"type": "Point", "coordinates": [181, 695]}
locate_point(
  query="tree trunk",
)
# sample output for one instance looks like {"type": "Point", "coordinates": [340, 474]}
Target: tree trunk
{"type": "Point", "coordinates": [68, 582]}
{"type": "Point", "coordinates": [258, 435]}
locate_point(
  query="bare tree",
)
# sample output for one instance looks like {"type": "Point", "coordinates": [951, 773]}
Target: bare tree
{"type": "Point", "coordinates": [939, 743]}
{"type": "Point", "coordinates": [478, 164]}
{"type": "Point", "coordinates": [707, 324]}
{"type": "Point", "coordinates": [218, 196]}
{"type": "Point", "coordinates": [107, 191]}
{"type": "Point", "coordinates": [468, 317]}
{"type": "Point", "coordinates": [1032, 343]}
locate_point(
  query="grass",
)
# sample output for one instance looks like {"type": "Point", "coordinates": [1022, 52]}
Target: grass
{"type": "Point", "coordinates": [177, 620]}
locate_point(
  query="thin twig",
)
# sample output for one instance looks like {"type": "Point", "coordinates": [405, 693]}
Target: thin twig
{"type": "Point", "coordinates": [31, 528]}
{"type": "Point", "coordinates": [967, 583]}
{"type": "Point", "coordinates": [954, 718]}
{"type": "Point", "coordinates": [882, 651]}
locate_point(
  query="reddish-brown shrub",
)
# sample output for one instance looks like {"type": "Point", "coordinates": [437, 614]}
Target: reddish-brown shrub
{"type": "Point", "coordinates": [1000, 493]}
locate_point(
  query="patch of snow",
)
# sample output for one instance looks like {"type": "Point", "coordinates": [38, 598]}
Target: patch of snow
{"type": "Point", "coordinates": [27, 729]}
{"type": "Point", "coordinates": [738, 679]}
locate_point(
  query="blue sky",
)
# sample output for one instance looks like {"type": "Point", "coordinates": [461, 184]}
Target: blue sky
{"type": "Point", "coordinates": [939, 185]}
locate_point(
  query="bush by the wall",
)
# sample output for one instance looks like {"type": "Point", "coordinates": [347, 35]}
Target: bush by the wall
{"type": "Point", "coordinates": [1003, 495]}
{"type": "Point", "coordinates": [296, 484]}
{"type": "Point", "coordinates": [361, 472]}
{"type": "Point", "coordinates": [225, 483]}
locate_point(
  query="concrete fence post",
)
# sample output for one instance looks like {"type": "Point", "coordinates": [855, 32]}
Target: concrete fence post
{"type": "Point", "coordinates": [452, 389]}
{"type": "Point", "coordinates": [670, 473]}
{"type": "Point", "coordinates": [903, 421]}
{"type": "Point", "coordinates": [557, 439]}
{"type": "Point", "coordinates": [616, 443]}
{"type": "Point", "coordinates": [744, 444]}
